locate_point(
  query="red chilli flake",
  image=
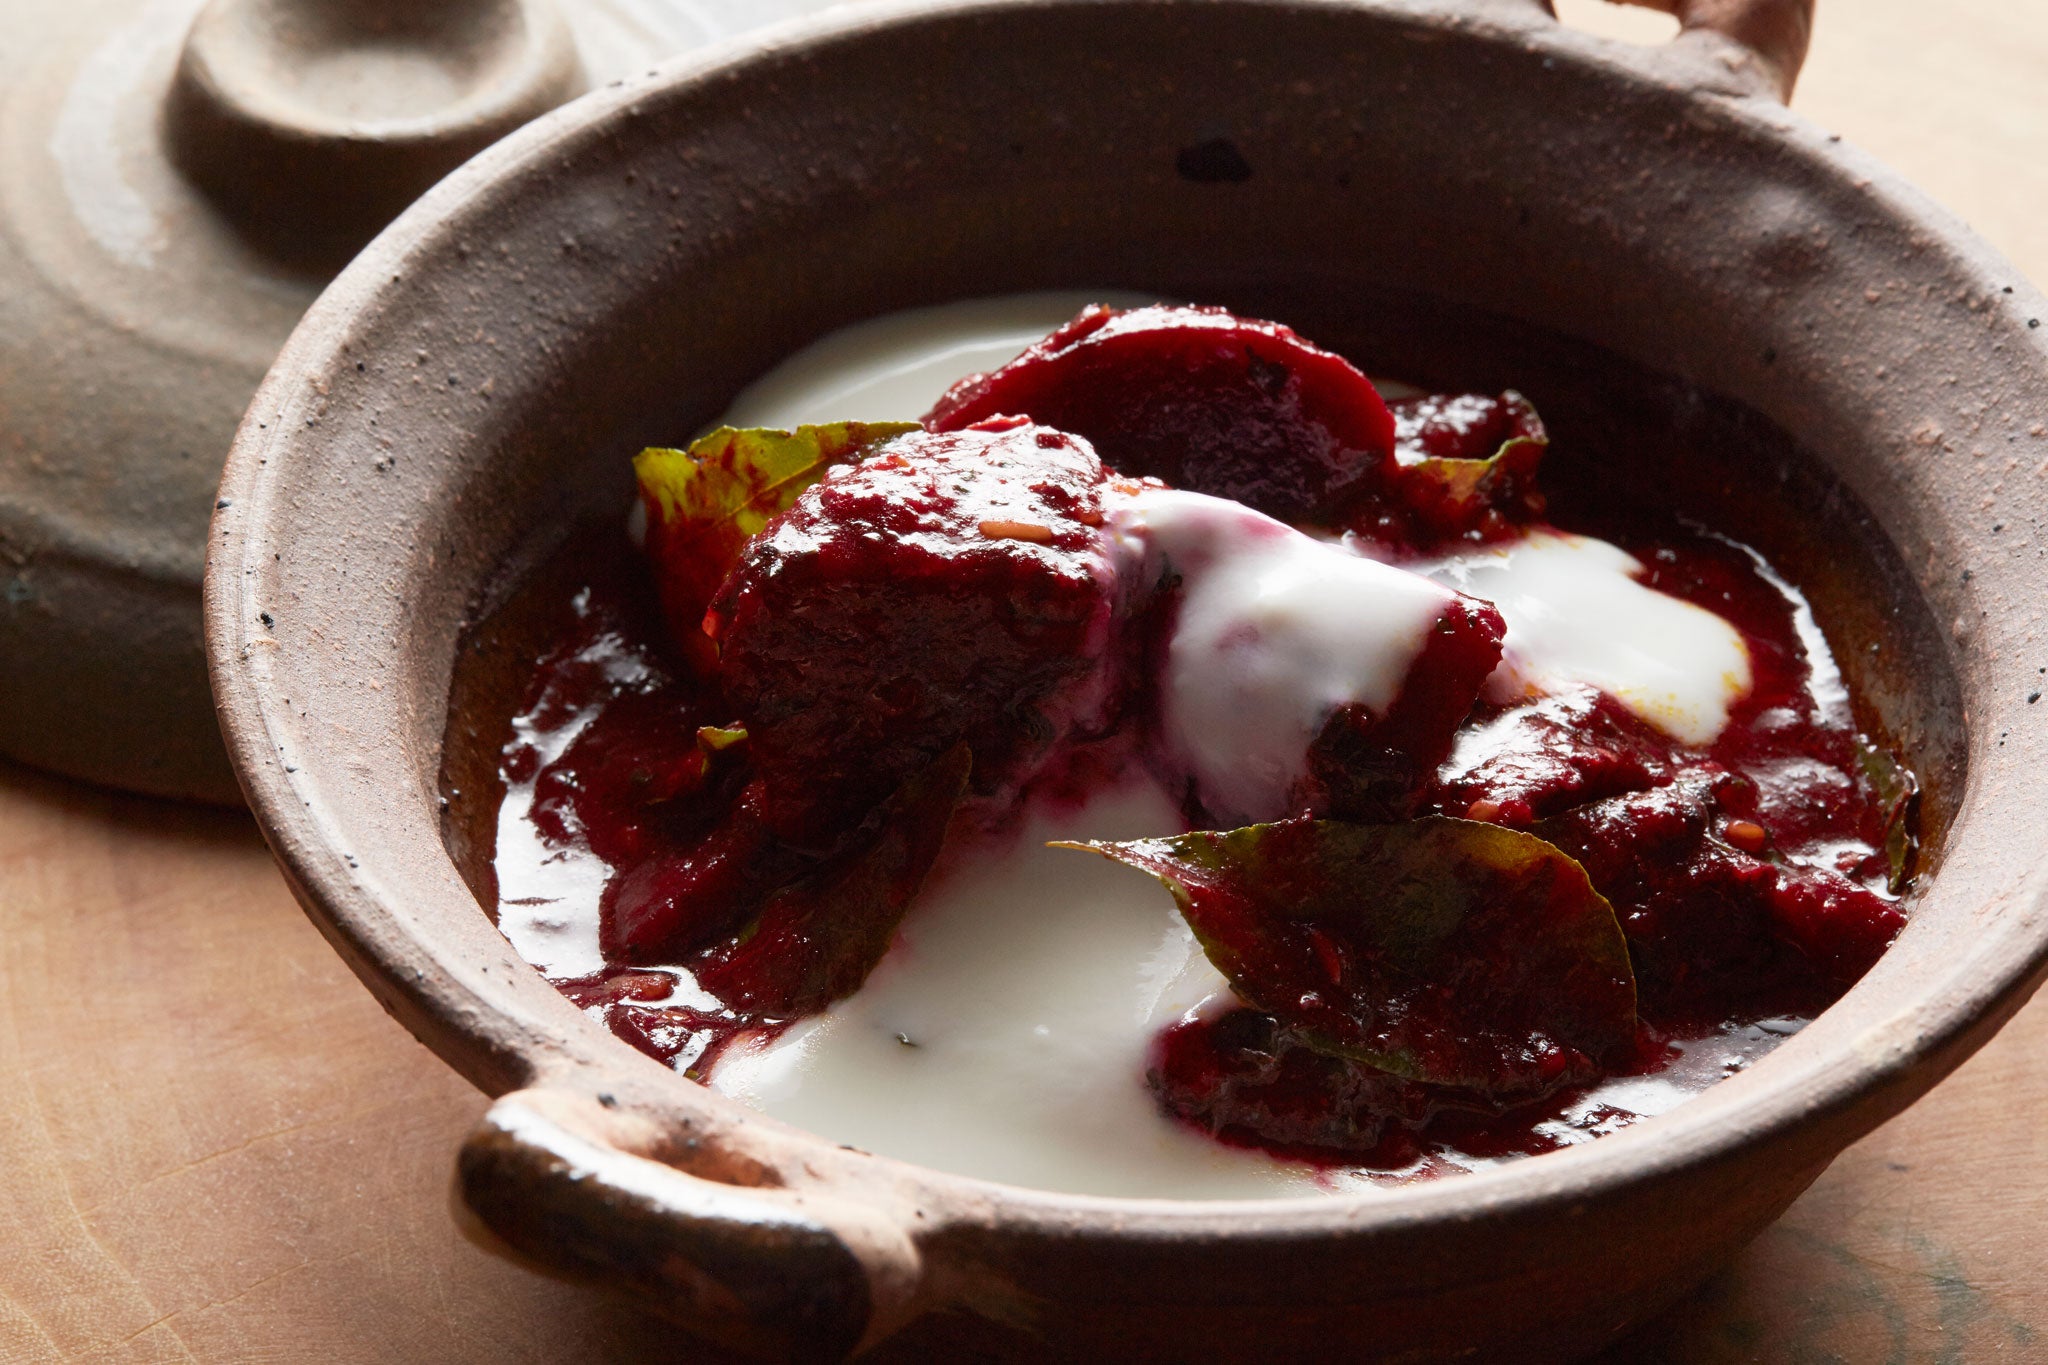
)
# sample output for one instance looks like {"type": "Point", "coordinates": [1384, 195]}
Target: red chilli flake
{"type": "Point", "coordinates": [1746, 835]}
{"type": "Point", "coordinates": [1017, 530]}
{"type": "Point", "coordinates": [1328, 954]}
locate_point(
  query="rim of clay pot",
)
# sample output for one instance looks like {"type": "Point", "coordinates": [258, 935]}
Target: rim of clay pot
{"type": "Point", "coordinates": [503, 1026]}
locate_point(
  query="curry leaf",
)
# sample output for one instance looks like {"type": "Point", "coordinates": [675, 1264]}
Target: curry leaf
{"type": "Point", "coordinates": [704, 504]}
{"type": "Point", "coordinates": [715, 739]}
{"type": "Point", "coordinates": [1897, 791]}
{"type": "Point", "coordinates": [1440, 950]}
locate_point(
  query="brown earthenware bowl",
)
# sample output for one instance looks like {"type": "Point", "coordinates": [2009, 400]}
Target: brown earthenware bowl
{"type": "Point", "coordinates": [1714, 298]}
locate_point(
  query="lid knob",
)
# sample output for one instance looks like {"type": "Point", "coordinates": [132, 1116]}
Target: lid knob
{"type": "Point", "coordinates": [313, 123]}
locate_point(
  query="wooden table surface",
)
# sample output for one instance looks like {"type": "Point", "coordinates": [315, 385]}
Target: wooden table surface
{"type": "Point", "coordinates": [214, 1145]}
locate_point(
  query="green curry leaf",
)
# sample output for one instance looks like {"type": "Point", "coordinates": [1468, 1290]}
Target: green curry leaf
{"type": "Point", "coordinates": [1440, 950]}
{"type": "Point", "coordinates": [704, 503]}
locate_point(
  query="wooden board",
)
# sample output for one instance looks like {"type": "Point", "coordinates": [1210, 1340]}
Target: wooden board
{"type": "Point", "coordinates": [214, 1146]}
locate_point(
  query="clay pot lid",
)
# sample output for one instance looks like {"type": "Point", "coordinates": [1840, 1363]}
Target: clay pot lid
{"type": "Point", "coordinates": [178, 179]}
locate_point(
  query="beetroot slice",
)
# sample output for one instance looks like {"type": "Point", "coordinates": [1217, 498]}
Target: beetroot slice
{"type": "Point", "coordinates": [1247, 1080]}
{"type": "Point", "coordinates": [1205, 400]}
{"type": "Point", "coordinates": [1707, 921]}
{"type": "Point", "coordinates": [1368, 767]}
{"type": "Point", "coordinates": [1466, 465]}
{"type": "Point", "coordinates": [660, 907]}
{"type": "Point", "coordinates": [1462, 426]}
{"type": "Point", "coordinates": [1545, 756]}
{"type": "Point", "coordinates": [1438, 950]}
{"type": "Point", "coordinates": [703, 504]}
{"type": "Point", "coordinates": [816, 941]}
{"type": "Point", "coordinates": [949, 588]}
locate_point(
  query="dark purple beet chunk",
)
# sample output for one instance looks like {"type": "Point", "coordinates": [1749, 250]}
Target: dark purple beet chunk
{"type": "Point", "coordinates": [816, 940]}
{"type": "Point", "coordinates": [1207, 401]}
{"type": "Point", "coordinates": [1242, 1079]}
{"type": "Point", "coordinates": [1838, 926]}
{"type": "Point", "coordinates": [951, 587]}
{"type": "Point", "coordinates": [1705, 918]}
{"type": "Point", "coordinates": [616, 779]}
{"type": "Point", "coordinates": [1530, 761]}
{"type": "Point", "coordinates": [1367, 767]}
{"type": "Point", "coordinates": [1461, 426]}
{"type": "Point", "coordinates": [661, 907]}
{"type": "Point", "coordinates": [1465, 467]}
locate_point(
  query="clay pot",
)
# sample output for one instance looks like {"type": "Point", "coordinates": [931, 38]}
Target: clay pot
{"type": "Point", "coordinates": [178, 178]}
{"type": "Point", "coordinates": [1714, 298]}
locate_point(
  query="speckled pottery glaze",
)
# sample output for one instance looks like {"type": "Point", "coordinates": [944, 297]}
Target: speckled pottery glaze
{"type": "Point", "coordinates": [178, 179]}
{"type": "Point", "coordinates": [1388, 174]}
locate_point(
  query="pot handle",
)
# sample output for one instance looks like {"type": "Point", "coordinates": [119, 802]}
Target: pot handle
{"type": "Point", "coordinates": [1774, 33]}
{"type": "Point", "coordinates": [741, 1255]}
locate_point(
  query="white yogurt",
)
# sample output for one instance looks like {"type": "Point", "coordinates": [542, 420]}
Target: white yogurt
{"type": "Point", "coordinates": [1005, 1035]}
{"type": "Point", "coordinates": [1577, 616]}
{"type": "Point", "coordinates": [548, 894]}
{"type": "Point", "coordinates": [1275, 631]}
{"type": "Point", "coordinates": [893, 368]}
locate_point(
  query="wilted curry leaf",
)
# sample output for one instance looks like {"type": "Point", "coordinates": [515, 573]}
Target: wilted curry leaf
{"type": "Point", "coordinates": [704, 504]}
{"type": "Point", "coordinates": [1440, 950]}
{"type": "Point", "coordinates": [715, 739]}
{"type": "Point", "coordinates": [815, 942]}
{"type": "Point", "coordinates": [1896, 789]}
